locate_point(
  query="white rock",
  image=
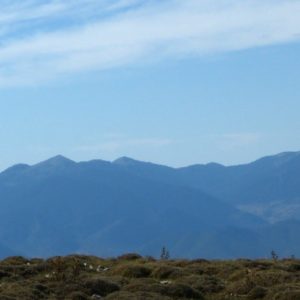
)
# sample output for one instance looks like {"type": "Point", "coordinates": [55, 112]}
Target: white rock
{"type": "Point", "coordinates": [164, 282]}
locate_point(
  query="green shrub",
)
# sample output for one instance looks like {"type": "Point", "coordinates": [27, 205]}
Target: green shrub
{"type": "Point", "coordinates": [4, 274]}
{"type": "Point", "coordinates": [136, 278]}
{"type": "Point", "coordinates": [15, 261]}
{"type": "Point", "coordinates": [167, 272]}
{"type": "Point", "coordinates": [136, 296]}
{"type": "Point", "coordinates": [206, 284]}
{"type": "Point", "coordinates": [133, 271]}
{"type": "Point", "coordinates": [100, 286]}
{"type": "Point", "coordinates": [257, 292]}
{"type": "Point", "coordinates": [293, 267]}
{"type": "Point", "coordinates": [285, 295]}
{"type": "Point", "coordinates": [130, 256]}
{"type": "Point", "coordinates": [77, 296]}
{"type": "Point", "coordinates": [145, 285]}
{"type": "Point", "coordinates": [179, 290]}
{"type": "Point", "coordinates": [173, 290]}
{"type": "Point", "coordinates": [271, 278]}
{"type": "Point", "coordinates": [241, 287]}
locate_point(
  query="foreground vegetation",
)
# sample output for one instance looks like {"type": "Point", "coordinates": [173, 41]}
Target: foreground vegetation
{"type": "Point", "coordinates": [133, 277]}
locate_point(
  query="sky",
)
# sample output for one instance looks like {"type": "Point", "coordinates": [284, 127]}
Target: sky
{"type": "Point", "coordinates": [175, 82]}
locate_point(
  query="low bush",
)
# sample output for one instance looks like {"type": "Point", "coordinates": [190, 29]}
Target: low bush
{"type": "Point", "coordinates": [241, 287]}
{"type": "Point", "coordinates": [136, 296]}
{"type": "Point", "coordinates": [167, 272]}
{"type": "Point", "coordinates": [15, 261]}
{"type": "Point", "coordinates": [100, 286]}
{"type": "Point", "coordinates": [206, 284]}
{"type": "Point", "coordinates": [78, 277]}
{"type": "Point", "coordinates": [133, 271]}
{"type": "Point", "coordinates": [145, 285]}
{"type": "Point", "coordinates": [285, 295]}
{"type": "Point", "coordinates": [179, 290]}
{"type": "Point", "coordinates": [257, 292]}
{"type": "Point", "coordinates": [130, 256]}
{"type": "Point", "coordinates": [77, 296]}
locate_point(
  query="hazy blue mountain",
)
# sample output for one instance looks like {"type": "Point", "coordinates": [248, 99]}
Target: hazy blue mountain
{"type": "Point", "coordinates": [268, 187]}
{"type": "Point", "coordinates": [107, 208]}
{"type": "Point", "coordinates": [59, 206]}
{"type": "Point", "coordinates": [284, 236]}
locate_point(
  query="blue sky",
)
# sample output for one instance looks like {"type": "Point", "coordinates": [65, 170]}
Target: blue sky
{"type": "Point", "coordinates": [173, 82]}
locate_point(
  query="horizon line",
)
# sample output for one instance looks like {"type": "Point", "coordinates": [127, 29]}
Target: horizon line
{"type": "Point", "coordinates": [65, 158]}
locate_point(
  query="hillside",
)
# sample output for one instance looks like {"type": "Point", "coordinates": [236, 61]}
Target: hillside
{"type": "Point", "coordinates": [268, 187]}
{"type": "Point", "coordinates": [59, 206]}
{"type": "Point", "coordinates": [144, 278]}
{"type": "Point", "coordinates": [105, 208]}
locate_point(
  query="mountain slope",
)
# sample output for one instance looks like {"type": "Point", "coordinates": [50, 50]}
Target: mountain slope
{"type": "Point", "coordinates": [268, 187]}
{"type": "Point", "coordinates": [59, 206]}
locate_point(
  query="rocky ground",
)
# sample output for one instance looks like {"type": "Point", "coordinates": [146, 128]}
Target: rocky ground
{"type": "Point", "coordinates": [130, 276]}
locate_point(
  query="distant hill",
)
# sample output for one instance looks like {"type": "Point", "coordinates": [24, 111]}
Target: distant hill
{"type": "Point", "coordinates": [268, 187]}
{"type": "Point", "coordinates": [107, 208]}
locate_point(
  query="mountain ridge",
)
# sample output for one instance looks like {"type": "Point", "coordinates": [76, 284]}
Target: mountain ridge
{"type": "Point", "coordinates": [107, 208]}
{"type": "Point", "coordinates": [59, 158]}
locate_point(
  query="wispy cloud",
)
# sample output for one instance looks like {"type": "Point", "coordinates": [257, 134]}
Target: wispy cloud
{"type": "Point", "coordinates": [41, 40]}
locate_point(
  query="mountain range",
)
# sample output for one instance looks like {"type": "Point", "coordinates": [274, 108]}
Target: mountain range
{"type": "Point", "coordinates": [59, 207]}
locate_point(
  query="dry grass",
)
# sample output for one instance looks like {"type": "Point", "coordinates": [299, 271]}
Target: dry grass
{"type": "Point", "coordinates": [134, 277]}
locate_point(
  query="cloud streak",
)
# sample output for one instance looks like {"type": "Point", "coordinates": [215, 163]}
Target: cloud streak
{"type": "Point", "coordinates": [40, 41]}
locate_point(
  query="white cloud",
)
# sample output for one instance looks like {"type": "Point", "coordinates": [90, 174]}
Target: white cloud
{"type": "Point", "coordinates": [96, 35]}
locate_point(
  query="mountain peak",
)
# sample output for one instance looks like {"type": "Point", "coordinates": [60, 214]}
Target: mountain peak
{"type": "Point", "coordinates": [287, 154]}
{"type": "Point", "coordinates": [124, 160]}
{"type": "Point", "coordinates": [278, 159]}
{"type": "Point", "coordinates": [214, 165]}
{"type": "Point", "coordinates": [16, 169]}
{"type": "Point", "coordinates": [56, 161]}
